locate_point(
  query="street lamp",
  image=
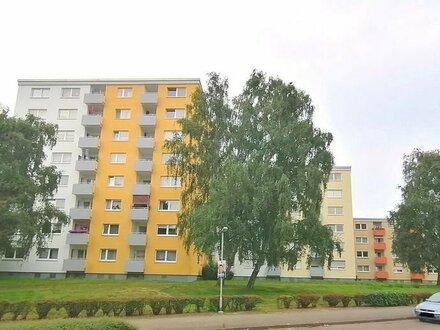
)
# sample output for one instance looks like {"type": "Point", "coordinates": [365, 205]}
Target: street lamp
{"type": "Point", "coordinates": [221, 270]}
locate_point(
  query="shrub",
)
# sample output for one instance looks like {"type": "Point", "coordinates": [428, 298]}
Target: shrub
{"type": "Point", "coordinates": [346, 300]}
{"type": "Point", "coordinates": [251, 301]}
{"type": "Point", "coordinates": [213, 303]}
{"type": "Point", "coordinates": [73, 308]}
{"type": "Point", "coordinates": [387, 299]}
{"type": "Point", "coordinates": [77, 324]}
{"type": "Point", "coordinates": [358, 299]}
{"type": "Point", "coordinates": [418, 297]}
{"type": "Point", "coordinates": [91, 307]}
{"type": "Point", "coordinates": [43, 308]}
{"type": "Point", "coordinates": [304, 300]}
{"type": "Point", "coordinates": [284, 301]}
{"type": "Point", "coordinates": [117, 306]}
{"type": "Point", "coordinates": [134, 305]}
{"type": "Point", "coordinates": [4, 308]}
{"type": "Point", "coordinates": [179, 304]}
{"type": "Point", "coordinates": [332, 299]}
{"type": "Point", "coordinates": [106, 307]}
{"type": "Point", "coordinates": [209, 271]}
{"type": "Point", "coordinates": [198, 302]}
{"type": "Point", "coordinates": [157, 304]}
{"type": "Point", "coordinates": [229, 274]}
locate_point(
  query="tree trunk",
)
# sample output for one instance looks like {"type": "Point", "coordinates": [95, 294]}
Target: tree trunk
{"type": "Point", "coordinates": [251, 281]}
{"type": "Point", "coordinates": [438, 277]}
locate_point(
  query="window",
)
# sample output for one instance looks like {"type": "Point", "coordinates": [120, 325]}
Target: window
{"type": "Point", "coordinates": [335, 210]}
{"type": "Point", "coordinates": [67, 113]}
{"type": "Point", "coordinates": [40, 92]}
{"type": "Point", "coordinates": [61, 157]}
{"type": "Point", "coordinates": [360, 226]}
{"type": "Point", "coordinates": [78, 254]}
{"type": "Point", "coordinates": [171, 135]}
{"type": "Point", "coordinates": [167, 230]}
{"type": "Point", "coordinates": [176, 91]}
{"type": "Point", "coordinates": [70, 92]}
{"type": "Point", "coordinates": [166, 255]}
{"type": "Point", "coordinates": [109, 229]}
{"type": "Point", "coordinates": [120, 135]}
{"type": "Point", "coordinates": [336, 228]}
{"type": "Point", "coordinates": [174, 113]}
{"type": "Point", "coordinates": [337, 265]}
{"type": "Point", "coordinates": [125, 92]}
{"type": "Point", "coordinates": [115, 181]}
{"type": "Point", "coordinates": [167, 205]}
{"type": "Point", "coordinates": [48, 254]}
{"type": "Point", "coordinates": [123, 113]}
{"type": "Point", "coordinates": [361, 240]}
{"type": "Point", "coordinates": [167, 158]}
{"type": "Point", "coordinates": [377, 225]}
{"type": "Point", "coordinates": [378, 239]}
{"type": "Point", "coordinates": [65, 136]}
{"type": "Point", "coordinates": [116, 158]}
{"type": "Point", "coordinates": [333, 193]}
{"type": "Point", "coordinates": [60, 203]}
{"type": "Point", "coordinates": [108, 255]}
{"type": "Point", "coordinates": [14, 253]}
{"type": "Point", "coordinates": [55, 228]}
{"type": "Point", "coordinates": [64, 180]}
{"type": "Point", "coordinates": [113, 205]}
{"type": "Point", "coordinates": [170, 181]}
{"type": "Point", "coordinates": [362, 254]}
{"type": "Point", "coordinates": [363, 268]}
{"type": "Point", "coordinates": [335, 177]}
{"type": "Point", "coordinates": [38, 112]}
{"type": "Point", "coordinates": [397, 270]}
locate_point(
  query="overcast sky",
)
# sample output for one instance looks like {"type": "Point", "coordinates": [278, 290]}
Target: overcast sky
{"type": "Point", "coordinates": [372, 68]}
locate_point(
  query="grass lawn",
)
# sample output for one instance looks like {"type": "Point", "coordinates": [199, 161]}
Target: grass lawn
{"type": "Point", "coordinates": [38, 289]}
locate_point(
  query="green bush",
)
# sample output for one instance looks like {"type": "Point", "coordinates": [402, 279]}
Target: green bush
{"type": "Point", "coordinates": [198, 302]}
{"type": "Point", "coordinates": [346, 300]}
{"type": "Point", "coordinates": [106, 307]}
{"type": "Point", "coordinates": [212, 303]}
{"type": "Point", "coordinates": [4, 308]}
{"type": "Point", "coordinates": [91, 307]}
{"type": "Point", "coordinates": [418, 297]}
{"type": "Point", "coordinates": [229, 274]}
{"type": "Point", "coordinates": [306, 300]}
{"type": "Point", "coordinates": [251, 301]}
{"type": "Point", "coordinates": [209, 271]}
{"type": "Point", "coordinates": [117, 306]}
{"type": "Point", "coordinates": [284, 301]}
{"type": "Point", "coordinates": [358, 299]}
{"type": "Point", "coordinates": [332, 299]}
{"type": "Point", "coordinates": [387, 299]}
{"type": "Point", "coordinates": [72, 324]}
{"type": "Point", "coordinates": [179, 304]}
{"type": "Point", "coordinates": [73, 307]}
{"type": "Point", "coordinates": [43, 307]}
{"type": "Point", "coordinates": [157, 304]}
{"type": "Point", "coordinates": [19, 308]}
{"type": "Point", "coordinates": [134, 305]}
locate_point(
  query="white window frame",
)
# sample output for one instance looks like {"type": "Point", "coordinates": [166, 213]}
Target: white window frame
{"type": "Point", "coordinates": [104, 255]}
{"type": "Point", "coordinates": [40, 93]}
{"type": "Point", "coordinates": [113, 205]}
{"type": "Point", "coordinates": [115, 181]}
{"type": "Point", "coordinates": [38, 112]}
{"type": "Point", "coordinates": [14, 254]}
{"type": "Point", "coordinates": [334, 193]}
{"type": "Point", "coordinates": [171, 135]}
{"type": "Point", "coordinates": [75, 254]}
{"type": "Point", "coordinates": [361, 240]}
{"type": "Point", "coordinates": [71, 93]}
{"type": "Point", "coordinates": [49, 256]}
{"type": "Point", "coordinates": [363, 268]}
{"type": "Point", "coordinates": [124, 92]}
{"type": "Point", "coordinates": [167, 230]}
{"type": "Point", "coordinates": [166, 255]}
{"type": "Point", "coordinates": [335, 177]}
{"type": "Point", "coordinates": [115, 158]}
{"type": "Point", "coordinates": [67, 114]}
{"type": "Point", "coordinates": [342, 267]}
{"type": "Point", "coordinates": [64, 180]}
{"type": "Point", "coordinates": [64, 157]}
{"type": "Point", "coordinates": [335, 210]}
{"type": "Point", "coordinates": [123, 114]}
{"type": "Point", "coordinates": [335, 228]}
{"type": "Point", "coordinates": [170, 202]}
{"type": "Point", "coordinates": [170, 182]}
{"type": "Point", "coordinates": [56, 228]}
{"type": "Point", "coordinates": [120, 136]}
{"type": "Point", "coordinates": [65, 136]}
{"type": "Point", "coordinates": [176, 113]}
{"type": "Point", "coordinates": [362, 254]}
{"type": "Point", "coordinates": [107, 229]}
{"type": "Point", "coordinates": [360, 226]}
{"type": "Point", "coordinates": [176, 91]}
{"type": "Point", "coordinates": [60, 203]}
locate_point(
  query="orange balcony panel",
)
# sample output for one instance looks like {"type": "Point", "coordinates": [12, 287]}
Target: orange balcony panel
{"type": "Point", "coordinates": [380, 245]}
{"type": "Point", "coordinates": [417, 276]}
{"type": "Point", "coordinates": [379, 231]}
{"type": "Point", "coordinates": [380, 260]}
{"type": "Point", "coordinates": [381, 275]}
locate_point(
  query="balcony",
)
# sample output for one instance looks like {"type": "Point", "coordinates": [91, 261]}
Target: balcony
{"type": "Point", "coordinates": [134, 266]}
{"type": "Point", "coordinates": [137, 239]}
{"type": "Point", "coordinates": [77, 238]}
{"type": "Point", "coordinates": [380, 245]}
{"type": "Point", "coordinates": [149, 98]}
{"type": "Point", "coordinates": [88, 142]}
{"type": "Point", "coordinates": [86, 166]}
{"type": "Point", "coordinates": [91, 121]}
{"type": "Point", "coordinates": [140, 214]}
{"type": "Point", "coordinates": [143, 165]}
{"type": "Point", "coordinates": [145, 143]}
{"type": "Point", "coordinates": [82, 189]}
{"type": "Point", "coordinates": [141, 189]}
{"type": "Point", "coordinates": [80, 213]}
{"type": "Point", "coordinates": [381, 275]}
{"type": "Point", "coordinates": [74, 265]}
{"type": "Point", "coordinates": [94, 98]}
{"type": "Point", "coordinates": [380, 260]}
{"type": "Point", "coordinates": [417, 276]}
{"type": "Point", "coordinates": [147, 120]}
{"type": "Point", "coordinates": [379, 231]}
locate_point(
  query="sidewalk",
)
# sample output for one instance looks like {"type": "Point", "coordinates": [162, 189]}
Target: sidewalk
{"type": "Point", "coordinates": [288, 318]}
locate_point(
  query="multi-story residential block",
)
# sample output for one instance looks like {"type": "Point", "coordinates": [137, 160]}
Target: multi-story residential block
{"type": "Point", "coordinates": [115, 185]}
{"type": "Point", "coordinates": [374, 257]}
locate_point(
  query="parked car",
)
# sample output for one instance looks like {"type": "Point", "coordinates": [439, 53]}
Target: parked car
{"type": "Point", "coordinates": [429, 310]}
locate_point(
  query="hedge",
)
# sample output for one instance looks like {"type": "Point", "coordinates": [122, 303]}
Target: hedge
{"type": "Point", "coordinates": [387, 298]}
{"type": "Point", "coordinates": [70, 324]}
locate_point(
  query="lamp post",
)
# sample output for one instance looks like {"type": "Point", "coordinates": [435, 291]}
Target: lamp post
{"type": "Point", "coordinates": [221, 270]}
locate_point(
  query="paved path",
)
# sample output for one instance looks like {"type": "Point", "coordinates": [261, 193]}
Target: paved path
{"type": "Point", "coordinates": [290, 318]}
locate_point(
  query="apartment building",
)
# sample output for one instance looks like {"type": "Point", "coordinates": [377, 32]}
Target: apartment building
{"type": "Point", "coordinates": [115, 186]}
{"type": "Point", "coordinates": [337, 214]}
{"type": "Point", "coordinates": [374, 257]}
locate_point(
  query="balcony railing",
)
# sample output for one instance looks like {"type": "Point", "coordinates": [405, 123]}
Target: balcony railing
{"type": "Point", "coordinates": [86, 165]}
{"type": "Point", "coordinates": [417, 276]}
{"type": "Point", "coordinates": [141, 189]}
{"type": "Point", "coordinates": [380, 260]}
{"type": "Point", "coordinates": [134, 266]}
{"type": "Point", "coordinates": [379, 231]}
{"type": "Point", "coordinates": [139, 214]}
{"type": "Point", "coordinates": [94, 98]}
{"type": "Point", "coordinates": [77, 238]}
{"type": "Point", "coordinates": [80, 213]}
{"type": "Point", "coordinates": [380, 245]}
{"type": "Point", "coordinates": [145, 142]}
{"type": "Point", "coordinates": [88, 142]}
{"type": "Point", "coordinates": [91, 120]}
{"type": "Point", "coordinates": [143, 165]}
{"type": "Point", "coordinates": [147, 120]}
{"type": "Point", "coordinates": [149, 98]}
{"type": "Point", "coordinates": [82, 189]}
{"type": "Point", "coordinates": [74, 265]}
{"type": "Point", "coordinates": [381, 275]}
{"type": "Point", "coordinates": [137, 239]}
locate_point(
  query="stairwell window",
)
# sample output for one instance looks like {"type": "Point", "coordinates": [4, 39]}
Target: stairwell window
{"type": "Point", "coordinates": [165, 255]}
{"type": "Point", "coordinates": [48, 254]}
{"type": "Point", "coordinates": [118, 158]}
{"type": "Point", "coordinates": [169, 205]}
{"type": "Point", "coordinates": [123, 113]}
{"type": "Point", "coordinates": [361, 240]}
{"type": "Point", "coordinates": [110, 229]}
{"type": "Point", "coordinates": [38, 112]}
{"type": "Point", "coordinates": [176, 92]}
{"type": "Point", "coordinates": [120, 135]}
{"type": "Point", "coordinates": [336, 228]}
{"type": "Point", "coordinates": [360, 226]}
{"type": "Point", "coordinates": [166, 230]}
{"type": "Point", "coordinates": [113, 204]}
{"type": "Point", "coordinates": [40, 92]}
{"type": "Point", "coordinates": [67, 114]}
{"type": "Point", "coordinates": [70, 93]}
{"type": "Point", "coordinates": [334, 193]}
{"type": "Point", "coordinates": [335, 210]}
{"type": "Point", "coordinates": [61, 158]}
{"type": "Point", "coordinates": [361, 254]}
{"type": "Point", "coordinates": [363, 268]}
{"type": "Point", "coordinates": [125, 92]}
{"type": "Point", "coordinates": [171, 135]}
{"type": "Point", "coordinates": [115, 181]}
{"type": "Point", "coordinates": [65, 136]}
{"type": "Point", "coordinates": [170, 181]}
{"type": "Point", "coordinates": [335, 177]}
{"type": "Point", "coordinates": [108, 255]}
{"type": "Point", "coordinates": [175, 113]}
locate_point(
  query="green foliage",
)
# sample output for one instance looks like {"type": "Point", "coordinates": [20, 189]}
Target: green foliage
{"type": "Point", "coordinates": [26, 185]}
{"type": "Point", "coordinates": [284, 301]}
{"type": "Point", "coordinates": [306, 300]}
{"type": "Point", "coordinates": [179, 304]}
{"type": "Point", "coordinates": [198, 302]}
{"type": "Point", "coordinates": [73, 307]}
{"type": "Point", "coordinates": [43, 308]}
{"type": "Point", "coordinates": [248, 164]}
{"type": "Point", "coordinates": [134, 305]}
{"type": "Point", "coordinates": [106, 307]}
{"type": "Point", "coordinates": [332, 299]}
{"type": "Point", "coordinates": [416, 219]}
{"type": "Point", "coordinates": [91, 306]}
{"type": "Point", "coordinates": [157, 304]}
{"type": "Point", "coordinates": [358, 299]}
{"type": "Point", "coordinates": [209, 271]}
{"type": "Point", "coordinates": [4, 308]}
{"type": "Point", "coordinates": [418, 297]}
{"type": "Point", "coordinates": [233, 303]}
{"type": "Point", "coordinates": [387, 299]}
{"type": "Point", "coordinates": [72, 324]}
{"type": "Point", "coordinates": [229, 275]}
{"type": "Point", "coordinates": [346, 300]}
